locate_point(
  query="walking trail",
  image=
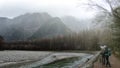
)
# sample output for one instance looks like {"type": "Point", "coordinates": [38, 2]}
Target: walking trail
{"type": "Point", "coordinates": [115, 63]}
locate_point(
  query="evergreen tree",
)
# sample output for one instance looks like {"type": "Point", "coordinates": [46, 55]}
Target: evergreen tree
{"type": "Point", "coordinates": [1, 42]}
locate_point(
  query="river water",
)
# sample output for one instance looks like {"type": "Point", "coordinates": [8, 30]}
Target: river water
{"type": "Point", "coordinates": [43, 59]}
{"type": "Point", "coordinates": [60, 60]}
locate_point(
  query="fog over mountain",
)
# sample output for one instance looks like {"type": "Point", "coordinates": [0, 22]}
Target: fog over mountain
{"type": "Point", "coordinates": [39, 25]}
{"type": "Point", "coordinates": [28, 19]}
{"type": "Point", "coordinates": [32, 25]}
{"type": "Point", "coordinates": [53, 27]}
{"type": "Point", "coordinates": [4, 23]}
{"type": "Point", "coordinates": [77, 24]}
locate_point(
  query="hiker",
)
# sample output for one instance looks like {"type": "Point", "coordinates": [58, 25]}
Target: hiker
{"type": "Point", "coordinates": [103, 47]}
{"type": "Point", "coordinates": [103, 57]}
{"type": "Point", "coordinates": [102, 54]}
{"type": "Point", "coordinates": [107, 54]}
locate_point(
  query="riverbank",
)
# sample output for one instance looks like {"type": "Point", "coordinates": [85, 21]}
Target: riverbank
{"type": "Point", "coordinates": [16, 59]}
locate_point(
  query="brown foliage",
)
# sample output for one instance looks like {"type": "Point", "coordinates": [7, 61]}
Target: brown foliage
{"type": "Point", "coordinates": [81, 41]}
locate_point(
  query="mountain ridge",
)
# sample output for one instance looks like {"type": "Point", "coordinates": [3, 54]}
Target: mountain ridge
{"type": "Point", "coordinates": [26, 26]}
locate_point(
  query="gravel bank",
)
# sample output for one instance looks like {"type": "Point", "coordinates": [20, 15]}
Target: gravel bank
{"type": "Point", "coordinates": [11, 57]}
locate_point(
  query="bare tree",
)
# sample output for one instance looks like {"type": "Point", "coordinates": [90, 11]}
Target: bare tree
{"type": "Point", "coordinates": [109, 7]}
{"type": "Point", "coordinates": [112, 8]}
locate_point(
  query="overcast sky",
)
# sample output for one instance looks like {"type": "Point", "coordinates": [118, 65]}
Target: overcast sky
{"type": "Point", "coordinates": [12, 8]}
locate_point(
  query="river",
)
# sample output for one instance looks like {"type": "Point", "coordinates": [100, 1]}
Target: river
{"type": "Point", "coordinates": [53, 60]}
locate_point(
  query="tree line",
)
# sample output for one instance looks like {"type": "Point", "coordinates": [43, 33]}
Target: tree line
{"type": "Point", "coordinates": [85, 40]}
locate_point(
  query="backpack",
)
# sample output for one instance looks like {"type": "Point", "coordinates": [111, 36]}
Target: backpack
{"type": "Point", "coordinates": [107, 52]}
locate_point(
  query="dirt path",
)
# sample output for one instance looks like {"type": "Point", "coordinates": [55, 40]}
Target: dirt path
{"type": "Point", "coordinates": [115, 63]}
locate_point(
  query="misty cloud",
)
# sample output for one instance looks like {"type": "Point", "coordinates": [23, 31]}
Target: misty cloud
{"type": "Point", "coordinates": [12, 8]}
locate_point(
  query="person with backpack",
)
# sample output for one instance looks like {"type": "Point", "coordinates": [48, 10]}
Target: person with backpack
{"type": "Point", "coordinates": [102, 60]}
{"type": "Point", "coordinates": [102, 54]}
{"type": "Point", "coordinates": [107, 54]}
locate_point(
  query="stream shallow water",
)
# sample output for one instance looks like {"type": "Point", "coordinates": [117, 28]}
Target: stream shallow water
{"type": "Point", "coordinates": [61, 60]}
{"type": "Point", "coordinates": [64, 63]}
{"type": "Point", "coordinates": [56, 60]}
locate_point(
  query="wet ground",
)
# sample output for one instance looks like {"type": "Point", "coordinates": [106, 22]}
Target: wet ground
{"type": "Point", "coordinates": [115, 63]}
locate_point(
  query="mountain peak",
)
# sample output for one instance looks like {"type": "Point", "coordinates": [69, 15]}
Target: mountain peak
{"type": "Point", "coordinates": [33, 26]}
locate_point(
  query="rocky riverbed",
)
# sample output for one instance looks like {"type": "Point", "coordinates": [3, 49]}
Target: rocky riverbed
{"type": "Point", "coordinates": [13, 57]}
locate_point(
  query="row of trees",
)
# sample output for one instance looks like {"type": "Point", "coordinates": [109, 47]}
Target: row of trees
{"type": "Point", "coordinates": [86, 40]}
{"type": "Point", "coordinates": [1, 42]}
